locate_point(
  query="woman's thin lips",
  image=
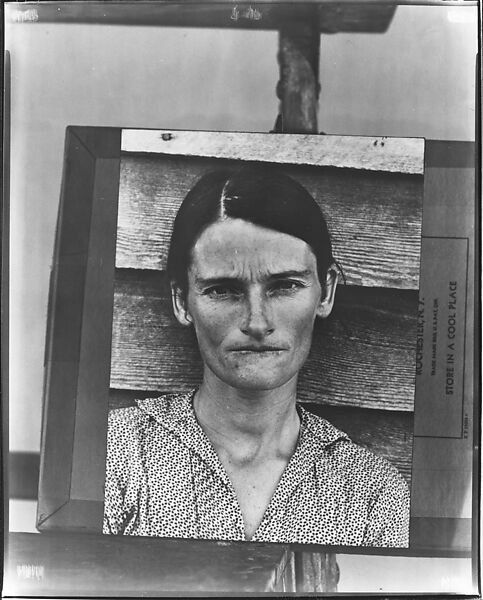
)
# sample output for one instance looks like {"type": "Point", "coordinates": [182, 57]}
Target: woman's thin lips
{"type": "Point", "coordinates": [257, 349]}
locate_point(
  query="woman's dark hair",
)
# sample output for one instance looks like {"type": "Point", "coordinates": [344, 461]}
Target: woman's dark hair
{"type": "Point", "coordinates": [261, 195]}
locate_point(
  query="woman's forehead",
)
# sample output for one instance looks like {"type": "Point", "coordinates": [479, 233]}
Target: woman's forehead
{"type": "Point", "coordinates": [238, 248]}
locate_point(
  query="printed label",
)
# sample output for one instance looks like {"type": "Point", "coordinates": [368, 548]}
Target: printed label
{"type": "Point", "coordinates": [439, 404]}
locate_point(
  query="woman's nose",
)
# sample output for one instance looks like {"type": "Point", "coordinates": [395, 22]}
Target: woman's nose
{"type": "Point", "coordinates": [257, 321]}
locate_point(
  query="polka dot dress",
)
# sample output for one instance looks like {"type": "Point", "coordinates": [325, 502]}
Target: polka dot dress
{"type": "Point", "coordinates": [164, 478]}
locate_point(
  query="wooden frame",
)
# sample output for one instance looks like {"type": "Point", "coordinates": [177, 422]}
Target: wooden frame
{"type": "Point", "coordinates": [79, 337]}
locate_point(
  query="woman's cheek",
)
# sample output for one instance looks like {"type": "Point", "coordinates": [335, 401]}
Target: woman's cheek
{"type": "Point", "coordinates": [301, 314]}
{"type": "Point", "coordinates": [215, 322]}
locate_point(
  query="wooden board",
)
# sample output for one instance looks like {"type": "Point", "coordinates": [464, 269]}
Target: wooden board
{"type": "Point", "coordinates": [66, 565]}
{"type": "Point", "coordinates": [365, 355]}
{"type": "Point", "coordinates": [387, 154]}
{"type": "Point", "coordinates": [269, 15]}
{"type": "Point", "coordinates": [374, 217]}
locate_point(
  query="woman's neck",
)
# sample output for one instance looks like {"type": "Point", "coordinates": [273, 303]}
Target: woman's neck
{"type": "Point", "coordinates": [248, 424]}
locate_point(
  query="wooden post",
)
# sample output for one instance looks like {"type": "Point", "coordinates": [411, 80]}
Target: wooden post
{"type": "Point", "coordinates": [315, 572]}
{"type": "Point", "coordinates": [298, 88]}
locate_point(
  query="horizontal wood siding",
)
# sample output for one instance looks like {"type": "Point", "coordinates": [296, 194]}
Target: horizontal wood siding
{"type": "Point", "coordinates": [370, 153]}
{"type": "Point", "coordinates": [374, 217]}
{"type": "Point", "coordinates": [362, 356]}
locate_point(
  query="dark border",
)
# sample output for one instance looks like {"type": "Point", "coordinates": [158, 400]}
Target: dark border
{"type": "Point", "coordinates": [477, 374]}
{"type": "Point", "coordinates": [5, 287]}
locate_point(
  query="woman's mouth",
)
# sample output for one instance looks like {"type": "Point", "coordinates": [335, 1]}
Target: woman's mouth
{"type": "Point", "coordinates": [256, 348]}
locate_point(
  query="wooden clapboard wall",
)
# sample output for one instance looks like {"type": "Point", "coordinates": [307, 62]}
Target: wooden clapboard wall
{"type": "Point", "coordinates": [361, 370]}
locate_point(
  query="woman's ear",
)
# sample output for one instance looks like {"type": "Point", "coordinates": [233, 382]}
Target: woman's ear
{"type": "Point", "coordinates": [327, 302]}
{"type": "Point", "coordinates": [180, 307]}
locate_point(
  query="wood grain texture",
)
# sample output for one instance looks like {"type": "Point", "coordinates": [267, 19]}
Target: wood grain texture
{"type": "Point", "coordinates": [363, 356]}
{"type": "Point", "coordinates": [374, 218]}
{"type": "Point", "coordinates": [316, 572]}
{"type": "Point", "coordinates": [104, 565]}
{"type": "Point", "coordinates": [388, 154]}
{"type": "Point", "coordinates": [370, 17]}
{"type": "Point", "coordinates": [386, 433]}
{"type": "Point", "coordinates": [298, 87]}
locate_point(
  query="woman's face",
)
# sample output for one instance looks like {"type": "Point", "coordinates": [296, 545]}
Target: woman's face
{"type": "Point", "coordinates": [253, 296]}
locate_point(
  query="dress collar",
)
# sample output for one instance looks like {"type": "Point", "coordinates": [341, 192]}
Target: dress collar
{"type": "Point", "coordinates": [175, 411]}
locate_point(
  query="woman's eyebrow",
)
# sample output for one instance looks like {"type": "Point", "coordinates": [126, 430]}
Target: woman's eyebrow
{"type": "Point", "coordinates": [207, 281]}
{"type": "Point", "coordinates": [223, 279]}
{"type": "Point", "coordinates": [291, 273]}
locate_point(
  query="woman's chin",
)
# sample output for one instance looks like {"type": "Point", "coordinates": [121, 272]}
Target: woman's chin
{"type": "Point", "coordinates": [259, 379]}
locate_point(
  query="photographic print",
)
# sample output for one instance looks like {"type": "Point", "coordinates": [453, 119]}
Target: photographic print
{"type": "Point", "coordinates": [362, 357]}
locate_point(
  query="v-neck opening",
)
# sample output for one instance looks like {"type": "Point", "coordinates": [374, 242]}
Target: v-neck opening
{"type": "Point", "coordinates": [226, 478]}
{"type": "Point", "coordinates": [281, 485]}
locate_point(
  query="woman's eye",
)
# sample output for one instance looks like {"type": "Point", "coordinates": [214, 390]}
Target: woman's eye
{"type": "Point", "coordinates": [222, 291]}
{"type": "Point", "coordinates": [286, 286]}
